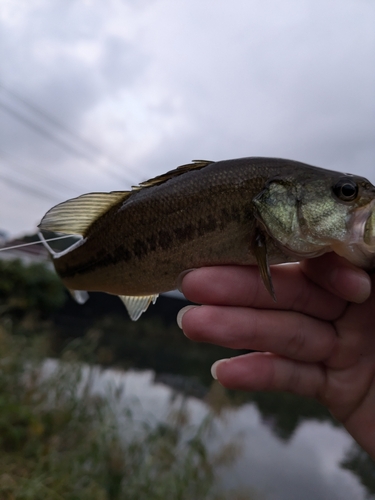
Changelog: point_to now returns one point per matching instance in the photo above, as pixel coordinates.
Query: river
(306, 466)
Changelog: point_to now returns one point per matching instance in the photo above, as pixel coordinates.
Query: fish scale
(244, 211)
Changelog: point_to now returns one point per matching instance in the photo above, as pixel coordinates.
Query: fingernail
(364, 288)
(181, 277)
(215, 365)
(181, 313)
(360, 279)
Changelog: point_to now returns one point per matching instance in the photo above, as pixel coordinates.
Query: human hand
(317, 340)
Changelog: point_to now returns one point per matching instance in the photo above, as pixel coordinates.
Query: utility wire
(52, 120)
(53, 182)
(50, 136)
(39, 193)
(42, 131)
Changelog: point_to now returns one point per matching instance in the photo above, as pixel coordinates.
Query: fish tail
(46, 245)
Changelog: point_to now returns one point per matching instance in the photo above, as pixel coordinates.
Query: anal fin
(136, 306)
(80, 296)
(260, 251)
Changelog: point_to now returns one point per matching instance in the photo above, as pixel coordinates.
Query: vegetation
(57, 442)
(28, 294)
(150, 343)
(362, 465)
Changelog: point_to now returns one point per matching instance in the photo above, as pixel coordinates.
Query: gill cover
(280, 209)
(276, 208)
(303, 219)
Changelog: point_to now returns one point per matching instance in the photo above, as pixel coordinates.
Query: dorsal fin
(160, 179)
(75, 216)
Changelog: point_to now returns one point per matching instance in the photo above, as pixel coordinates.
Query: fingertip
(181, 278)
(352, 284)
(338, 276)
(181, 314)
(215, 366)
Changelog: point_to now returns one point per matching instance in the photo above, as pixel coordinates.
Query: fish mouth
(362, 227)
(359, 245)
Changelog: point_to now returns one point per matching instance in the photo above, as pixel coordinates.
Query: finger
(289, 334)
(242, 286)
(268, 372)
(338, 276)
(355, 334)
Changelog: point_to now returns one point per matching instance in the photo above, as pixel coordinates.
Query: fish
(246, 211)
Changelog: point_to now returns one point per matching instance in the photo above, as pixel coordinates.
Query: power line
(42, 131)
(52, 181)
(50, 119)
(94, 150)
(39, 193)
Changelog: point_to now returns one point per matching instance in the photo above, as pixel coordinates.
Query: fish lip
(357, 224)
(354, 248)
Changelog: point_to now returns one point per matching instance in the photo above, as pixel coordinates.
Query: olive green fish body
(243, 211)
(143, 244)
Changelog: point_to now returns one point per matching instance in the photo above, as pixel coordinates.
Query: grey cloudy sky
(151, 84)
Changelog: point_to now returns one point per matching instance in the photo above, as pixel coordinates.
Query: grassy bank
(56, 444)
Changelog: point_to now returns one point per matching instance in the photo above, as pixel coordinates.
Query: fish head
(317, 211)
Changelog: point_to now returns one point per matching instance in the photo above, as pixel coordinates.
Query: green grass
(58, 442)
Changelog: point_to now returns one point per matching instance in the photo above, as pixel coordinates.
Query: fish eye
(346, 189)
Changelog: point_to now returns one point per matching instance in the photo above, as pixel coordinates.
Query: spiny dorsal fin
(136, 306)
(160, 179)
(75, 216)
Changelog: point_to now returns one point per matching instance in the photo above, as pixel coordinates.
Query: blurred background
(99, 96)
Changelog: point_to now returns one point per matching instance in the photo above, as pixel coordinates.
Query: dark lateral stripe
(164, 240)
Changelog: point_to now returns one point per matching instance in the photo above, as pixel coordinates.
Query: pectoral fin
(260, 251)
(137, 305)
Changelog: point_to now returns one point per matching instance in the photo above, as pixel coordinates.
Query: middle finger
(242, 286)
(285, 333)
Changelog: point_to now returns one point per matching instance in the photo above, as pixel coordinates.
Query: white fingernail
(181, 277)
(181, 313)
(215, 365)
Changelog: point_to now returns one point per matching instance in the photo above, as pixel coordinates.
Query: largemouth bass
(245, 211)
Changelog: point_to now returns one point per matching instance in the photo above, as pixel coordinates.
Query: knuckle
(297, 342)
(302, 299)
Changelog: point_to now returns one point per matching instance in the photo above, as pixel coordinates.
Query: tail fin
(46, 245)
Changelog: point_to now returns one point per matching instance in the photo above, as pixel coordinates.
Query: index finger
(337, 275)
(243, 286)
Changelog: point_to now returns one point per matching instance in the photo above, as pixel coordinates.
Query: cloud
(153, 84)
(308, 463)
